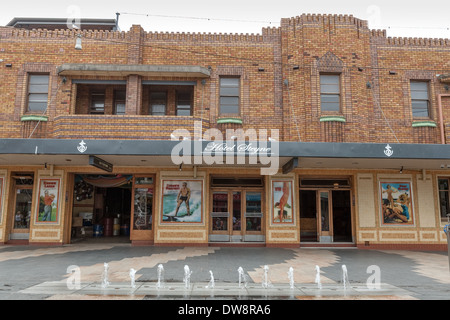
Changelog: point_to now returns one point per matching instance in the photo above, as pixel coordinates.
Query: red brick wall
(285, 96)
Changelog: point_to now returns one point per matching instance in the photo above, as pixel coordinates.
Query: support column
(134, 95)
(134, 85)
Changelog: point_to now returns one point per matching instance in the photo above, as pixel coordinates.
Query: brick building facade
(360, 120)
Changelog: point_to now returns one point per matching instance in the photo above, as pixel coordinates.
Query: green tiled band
(34, 118)
(417, 124)
(332, 119)
(229, 120)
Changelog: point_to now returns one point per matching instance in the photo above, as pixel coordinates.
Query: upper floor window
(330, 92)
(119, 102)
(420, 100)
(229, 95)
(183, 103)
(38, 92)
(97, 102)
(158, 103)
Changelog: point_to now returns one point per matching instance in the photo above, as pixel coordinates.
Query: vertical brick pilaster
(134, 83)
(135, 49)
(287, 103)
(109, 100)
(134, 95)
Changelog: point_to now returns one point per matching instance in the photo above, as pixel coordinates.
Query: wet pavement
(77, 272)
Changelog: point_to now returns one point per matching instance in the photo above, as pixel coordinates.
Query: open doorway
(101, 209)
(342, 218)
(325, 211)
(308, 216)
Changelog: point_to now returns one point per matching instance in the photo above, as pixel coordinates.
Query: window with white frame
(420, 99)
(230, 95)
(330, 93)
(37, 92)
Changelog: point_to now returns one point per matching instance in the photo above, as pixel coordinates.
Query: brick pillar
(134, 95)
(135, 49)
(109, 100)
(290, 116)
(134, 83)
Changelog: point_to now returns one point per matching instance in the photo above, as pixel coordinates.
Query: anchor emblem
(388, 151)
(82, 147)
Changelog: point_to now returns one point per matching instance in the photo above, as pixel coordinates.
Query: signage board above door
(100, 163)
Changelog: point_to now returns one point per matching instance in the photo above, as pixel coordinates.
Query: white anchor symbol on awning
(388, 151)
(82, 146)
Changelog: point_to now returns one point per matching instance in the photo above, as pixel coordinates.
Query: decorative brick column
(134, 95)
(134, 83)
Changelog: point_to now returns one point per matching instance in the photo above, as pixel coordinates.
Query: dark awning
(158, 152)
(164, 147)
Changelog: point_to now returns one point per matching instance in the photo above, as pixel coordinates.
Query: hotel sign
(239, 148)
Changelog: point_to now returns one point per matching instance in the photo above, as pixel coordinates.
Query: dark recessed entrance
(325, 211)
(101, 208)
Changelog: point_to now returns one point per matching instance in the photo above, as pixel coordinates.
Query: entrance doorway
(237, 216)
(101, 208)
(237, 213)
(142, 206)
(23, 197)
(326, 215)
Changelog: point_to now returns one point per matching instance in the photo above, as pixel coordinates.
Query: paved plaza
(77, 272)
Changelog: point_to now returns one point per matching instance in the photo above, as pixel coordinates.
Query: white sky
(400, 18)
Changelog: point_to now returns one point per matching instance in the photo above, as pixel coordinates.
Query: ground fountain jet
(317, 281)
(187, 277)
(160, 283)
(345, 281)
(133, 277)
(211, 283)
(242, 278)
(291, 277)
(266, 281)
(105, 282)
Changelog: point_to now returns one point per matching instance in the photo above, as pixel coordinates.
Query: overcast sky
(400, 18)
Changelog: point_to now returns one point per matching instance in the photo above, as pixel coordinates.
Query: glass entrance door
(325, 228)
(236, 232)
(142, 207)
(220, 217)
(23, 197)
(236, 216)
(253, 217)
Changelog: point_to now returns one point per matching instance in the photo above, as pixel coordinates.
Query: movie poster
(182, 201)
(48, 201)
(282, 208)
(396, 203)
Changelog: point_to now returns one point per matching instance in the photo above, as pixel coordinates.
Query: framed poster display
(396, 203)
(49, 200)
